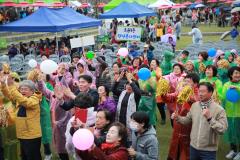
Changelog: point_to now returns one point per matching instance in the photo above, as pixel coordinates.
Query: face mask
(133, 126)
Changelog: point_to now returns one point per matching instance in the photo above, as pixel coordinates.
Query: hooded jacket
(146, 145)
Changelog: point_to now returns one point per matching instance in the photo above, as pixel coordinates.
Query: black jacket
(70, 104)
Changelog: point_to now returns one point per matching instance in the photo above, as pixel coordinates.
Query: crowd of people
(122, 107)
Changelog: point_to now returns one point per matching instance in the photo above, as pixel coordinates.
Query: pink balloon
(83, 139)
(123, 52)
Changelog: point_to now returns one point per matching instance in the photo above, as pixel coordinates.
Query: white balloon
(48, 66)
(32, 63)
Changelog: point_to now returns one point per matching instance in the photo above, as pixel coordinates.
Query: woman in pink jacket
(174, 78)
(59, 117)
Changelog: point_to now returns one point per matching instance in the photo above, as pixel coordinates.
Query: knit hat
(28, 83)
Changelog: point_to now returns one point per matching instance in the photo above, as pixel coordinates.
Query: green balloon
(90, 55)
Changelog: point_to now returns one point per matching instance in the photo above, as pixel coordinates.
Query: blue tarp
(192, 6)
(51, 20)
(128, 10)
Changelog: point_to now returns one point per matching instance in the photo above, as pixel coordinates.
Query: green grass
(186, 40)
(207, 28)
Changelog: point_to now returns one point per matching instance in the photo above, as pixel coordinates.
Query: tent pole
(57, 43)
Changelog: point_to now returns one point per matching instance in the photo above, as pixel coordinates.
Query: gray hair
(29, 84)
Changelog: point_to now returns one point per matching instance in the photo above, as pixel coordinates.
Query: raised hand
(67, 92)
(58, 91)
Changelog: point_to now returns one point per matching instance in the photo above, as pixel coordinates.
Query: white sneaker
(231, 154)
(237, 157)
(48, 157)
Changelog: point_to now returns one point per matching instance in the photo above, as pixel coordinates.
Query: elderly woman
(189, 67)
(28, 127)
(113, 148)
(100, 129)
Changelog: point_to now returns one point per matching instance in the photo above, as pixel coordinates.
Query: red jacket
(180, 141)
(117, 153)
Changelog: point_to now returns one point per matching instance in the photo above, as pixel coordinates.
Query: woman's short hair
(180, 66)
(141, 117)
(107, 113)
(157, 61)
(231, 70)
(140, 61)
(214, 69)
(204, 55)
(107, 90)
(122, 132)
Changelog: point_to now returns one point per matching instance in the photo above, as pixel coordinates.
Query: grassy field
(185, 40)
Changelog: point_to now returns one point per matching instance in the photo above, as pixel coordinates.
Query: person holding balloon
(157, 72)
(231, 103)
(147, 85)
(103, 122)
(113, 148)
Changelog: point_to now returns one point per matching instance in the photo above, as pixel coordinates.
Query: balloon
(48, 66)
(232, 95)
(212, 52)
(32, 63)
(83, 139)
(90, 55)
(144, 74)
(123, 52)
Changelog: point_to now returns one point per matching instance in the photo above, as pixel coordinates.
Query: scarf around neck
(206, 104)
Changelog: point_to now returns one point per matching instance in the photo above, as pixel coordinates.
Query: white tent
(161, 3)
(74, 3)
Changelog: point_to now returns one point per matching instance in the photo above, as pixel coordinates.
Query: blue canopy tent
(192, 6)
(51, 20)
(128, 10)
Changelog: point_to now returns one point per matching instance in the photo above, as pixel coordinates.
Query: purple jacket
(109, 105)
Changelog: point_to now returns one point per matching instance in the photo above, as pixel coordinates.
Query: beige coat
(204, 134)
